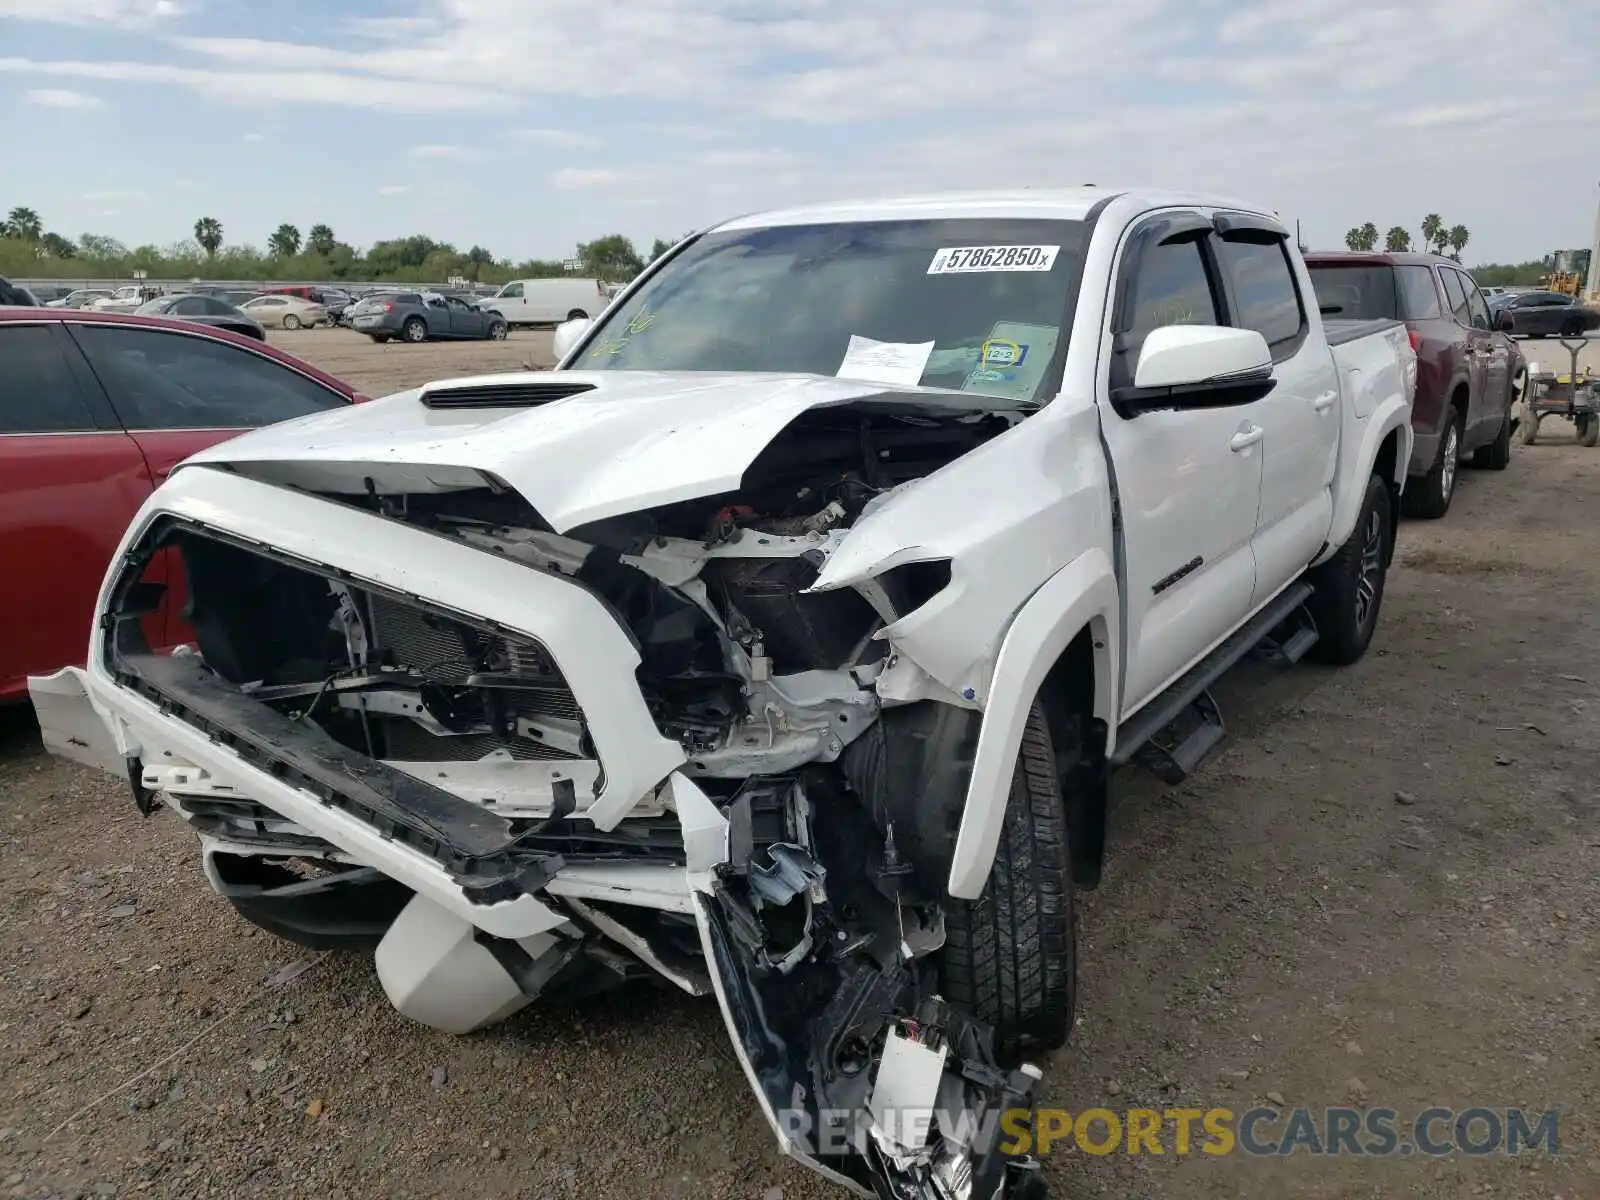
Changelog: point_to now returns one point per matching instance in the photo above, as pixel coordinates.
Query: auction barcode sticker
(955, 260)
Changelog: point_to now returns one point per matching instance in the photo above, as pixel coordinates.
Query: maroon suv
(1467, 372)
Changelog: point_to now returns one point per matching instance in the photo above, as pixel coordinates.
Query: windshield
(980, 305)
(154, 308)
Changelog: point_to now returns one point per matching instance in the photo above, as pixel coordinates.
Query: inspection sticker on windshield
(957, 260)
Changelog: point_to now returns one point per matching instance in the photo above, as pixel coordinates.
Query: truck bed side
(1377, 371)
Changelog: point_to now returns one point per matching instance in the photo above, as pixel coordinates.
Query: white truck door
(1266, 290)
(1188, 481)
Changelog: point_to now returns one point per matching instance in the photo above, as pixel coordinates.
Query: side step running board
(1186, 711)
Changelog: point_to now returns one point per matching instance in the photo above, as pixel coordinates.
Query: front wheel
(1573, 328)
(1010, 957)
(577, 314)
(1429, 497)
(497, 331)
(1349, 586)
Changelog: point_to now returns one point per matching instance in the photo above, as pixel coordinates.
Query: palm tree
(320, 240)
(1432, 231)
(25, 224)
(208, 232)
(1458, 237)
(285, 241)
(1369, 236)
(1397, 239)
(1352, 237)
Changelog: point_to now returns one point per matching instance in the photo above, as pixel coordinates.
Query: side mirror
(569, 334)
(1197, 366)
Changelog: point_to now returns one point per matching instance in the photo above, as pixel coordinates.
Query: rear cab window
(1265, 297)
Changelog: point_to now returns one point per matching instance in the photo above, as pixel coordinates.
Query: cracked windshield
(971, 305)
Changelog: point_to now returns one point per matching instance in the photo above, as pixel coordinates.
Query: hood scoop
(502, 395)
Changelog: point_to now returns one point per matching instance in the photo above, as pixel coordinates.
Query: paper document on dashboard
(885, 362)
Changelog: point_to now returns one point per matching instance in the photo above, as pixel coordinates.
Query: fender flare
(1083, 594)
(1392, 414)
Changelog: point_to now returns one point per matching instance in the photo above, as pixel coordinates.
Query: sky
(527, 126)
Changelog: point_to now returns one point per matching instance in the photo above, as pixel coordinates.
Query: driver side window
(1171, 282)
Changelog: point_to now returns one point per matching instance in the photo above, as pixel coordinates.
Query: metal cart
(1574, 396)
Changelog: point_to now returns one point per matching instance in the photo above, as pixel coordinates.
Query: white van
(547, 301)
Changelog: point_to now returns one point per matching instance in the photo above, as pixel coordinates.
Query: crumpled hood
(637, 440)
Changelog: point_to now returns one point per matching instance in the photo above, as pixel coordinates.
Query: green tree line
(28, 249)
(1437, 237)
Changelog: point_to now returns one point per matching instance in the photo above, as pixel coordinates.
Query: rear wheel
(380, 338)
(1349, 586)
(1589, 429)
(577, 314)
(290, 321)
(1010, 957)
(414, 330)
(1429, 497)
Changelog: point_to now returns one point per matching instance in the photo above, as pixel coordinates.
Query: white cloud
(394, 189)
(124, 13)
(62, 98)
(566, 139)
(252, 137)
(571, 179)
(253, 87)
(451, 153)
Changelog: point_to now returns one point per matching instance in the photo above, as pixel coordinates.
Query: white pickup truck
(777, 647)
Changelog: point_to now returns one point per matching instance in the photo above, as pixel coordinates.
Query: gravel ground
(1383, 889)
(393, 366)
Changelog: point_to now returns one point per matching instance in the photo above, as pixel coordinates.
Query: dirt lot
(394, 366)
(1385, 889)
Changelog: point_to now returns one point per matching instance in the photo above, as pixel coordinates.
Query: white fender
(1393, 413)
(1083, 594)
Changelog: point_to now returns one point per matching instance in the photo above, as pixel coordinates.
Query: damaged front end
(529, 763)
(829, 989)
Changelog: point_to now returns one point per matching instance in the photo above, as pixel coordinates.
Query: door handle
(1246, 438)
(1325, 401)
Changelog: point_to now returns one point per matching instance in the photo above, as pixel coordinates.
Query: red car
(95, 409)
(1468, 372)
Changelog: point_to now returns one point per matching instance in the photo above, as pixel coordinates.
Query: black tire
(380, 338)
(1010, 957)
(415, 330)
(1349, 586)
(1430, 496)
(1496, 456)
(1573, 328)
(577, 314)
(1589, 430)
(498, 331)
